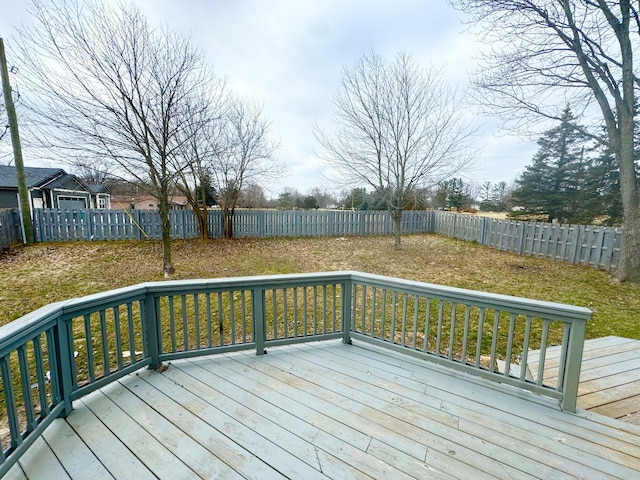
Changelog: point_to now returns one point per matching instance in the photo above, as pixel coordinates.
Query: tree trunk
(203, 222)
(167, 267)
(396, 216)
(228, 223)
(629, 264)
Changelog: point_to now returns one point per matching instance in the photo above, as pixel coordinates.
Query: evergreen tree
(556, 184)
(486, 204)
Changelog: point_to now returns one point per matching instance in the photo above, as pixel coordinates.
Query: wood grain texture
(609, 377)
(325, 410)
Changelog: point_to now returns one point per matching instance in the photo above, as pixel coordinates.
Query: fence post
(152, 330)
(259, 328)
(347, 293)
(572, 366)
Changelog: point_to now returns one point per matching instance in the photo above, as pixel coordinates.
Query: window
(101, 202)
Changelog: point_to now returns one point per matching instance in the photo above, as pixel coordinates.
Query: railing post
(257, 306)
(572, 366)
(347, 293)
(64, 358)
(152, 330)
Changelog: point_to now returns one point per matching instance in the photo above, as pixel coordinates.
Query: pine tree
(556, 184)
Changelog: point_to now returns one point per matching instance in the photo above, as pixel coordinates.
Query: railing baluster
(452, 331)
(394, 299)
(25, 382)
(415, 321)
(41, 376)
(427, 320)
(118, 335)
(305, 309)
(315, 310)
(54, 371)
(275, 314)
(172, 324)
(132, 343)
(334, 308)
(10, 401)
(494, 340)
(285, 314)
(563, 357)
(543, 351)
(507, 360)
(89, 344)
(383, 314)
(196, 317)
(364, 307)
(232, 316)
(525, 349)
(185, 323)
(105, 345)
(295, 312)
(244, 315)
(404, 319)
(209, 321)
(374, 293)
(465, 334)
(440, 321)
(220, 319)
(480, 334)
(324, 309)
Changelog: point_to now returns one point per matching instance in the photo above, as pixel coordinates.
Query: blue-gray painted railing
(57, 354)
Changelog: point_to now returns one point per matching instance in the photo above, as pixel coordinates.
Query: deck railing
(65, 350)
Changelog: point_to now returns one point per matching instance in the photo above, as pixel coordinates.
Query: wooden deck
(325, 410)
(609, 377)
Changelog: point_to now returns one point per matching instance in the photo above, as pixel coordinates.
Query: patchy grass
(36, 275)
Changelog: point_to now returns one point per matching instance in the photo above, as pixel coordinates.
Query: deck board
(609, 376)
(325, 410)
(472, 409)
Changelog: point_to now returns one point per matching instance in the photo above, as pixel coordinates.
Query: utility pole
(23, 194)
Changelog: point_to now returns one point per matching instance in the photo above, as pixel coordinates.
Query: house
(51, 188)
(148, 202)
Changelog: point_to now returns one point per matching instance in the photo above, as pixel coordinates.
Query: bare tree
(246, 157)
(203, 139)
(397, 126)
(550, 53)
(106, 85)
(252, 196)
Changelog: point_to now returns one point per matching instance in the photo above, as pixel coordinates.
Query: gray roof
(35, 176)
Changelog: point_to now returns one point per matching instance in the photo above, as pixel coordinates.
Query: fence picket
(579, 244)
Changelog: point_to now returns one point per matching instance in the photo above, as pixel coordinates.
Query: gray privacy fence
(592, 245)
(10, 229)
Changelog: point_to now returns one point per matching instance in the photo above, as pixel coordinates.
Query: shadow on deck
(324, 410)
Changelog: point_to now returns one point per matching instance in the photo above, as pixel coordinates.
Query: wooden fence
(10, 229)
(593, 245)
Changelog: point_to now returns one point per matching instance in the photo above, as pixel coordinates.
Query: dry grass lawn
(36, 275)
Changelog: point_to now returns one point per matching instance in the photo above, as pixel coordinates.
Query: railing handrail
(523, 305)
(54, 322)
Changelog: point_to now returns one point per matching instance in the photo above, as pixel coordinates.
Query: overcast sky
(288, 55)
